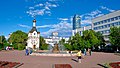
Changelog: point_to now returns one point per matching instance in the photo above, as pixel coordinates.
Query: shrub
(21, 46)
(68, 46)
(44, 47)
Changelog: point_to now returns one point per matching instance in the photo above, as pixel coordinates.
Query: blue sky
(51, 15)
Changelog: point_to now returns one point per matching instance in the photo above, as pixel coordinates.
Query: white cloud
(39, 5)
(93, 13)
(47, 8)
(44, 26)
(63, 28)
(63, 19)
(54, 5)
(42, 8)
(86, 21)
(31, 7)
(86, 18)
(52, 0)
(110, 10)
(36, 12)
(25, 26)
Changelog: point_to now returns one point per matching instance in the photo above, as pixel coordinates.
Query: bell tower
(34, 23)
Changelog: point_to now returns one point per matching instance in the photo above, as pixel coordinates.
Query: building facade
(33, 37)
(103, 23)
(76, 22)
(80, 30)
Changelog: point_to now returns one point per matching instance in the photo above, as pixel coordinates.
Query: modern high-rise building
(76, 22)
(103, 23)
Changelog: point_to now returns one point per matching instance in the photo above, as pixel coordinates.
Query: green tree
(68, 46)
(101, 41)
(115, 37)
(100, 38)
(62, 41)
(43, 45)
(76, 42)
(18, 39)
(2, 42)
(90, 39)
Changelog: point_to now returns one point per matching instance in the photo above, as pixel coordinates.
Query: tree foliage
(43, 45)
(62, 41)
(115, 36)
(3, 42)
(75, 42)
(18, 39)
(90, 39)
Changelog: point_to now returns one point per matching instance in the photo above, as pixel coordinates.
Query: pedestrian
(26, 52)
(30, 51)
(85, 52)
(79, 55)
(90, 52)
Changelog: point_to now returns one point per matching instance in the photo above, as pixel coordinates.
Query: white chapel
(33, 37)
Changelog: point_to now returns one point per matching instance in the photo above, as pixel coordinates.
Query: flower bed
(115, 65)
(63, 66)
(6, 64)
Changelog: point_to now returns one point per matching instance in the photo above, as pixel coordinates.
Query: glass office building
(76, 22)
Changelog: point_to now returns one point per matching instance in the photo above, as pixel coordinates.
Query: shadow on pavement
(102, 65)
(74, 60)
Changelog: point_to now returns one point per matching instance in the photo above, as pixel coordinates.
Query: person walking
(26, 52)
(85, 52)
(79, 55)
(90, 52)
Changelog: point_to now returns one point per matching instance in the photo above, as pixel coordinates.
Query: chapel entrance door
(34, 46)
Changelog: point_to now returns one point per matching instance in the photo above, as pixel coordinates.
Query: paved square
(48, 62)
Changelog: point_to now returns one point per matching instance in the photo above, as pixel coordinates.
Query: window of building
(105, 21)
(117, 23)
(101, 22)
(112, 19)
(108, 20)
(95, 23)
(108, 25)
(98, 23)
(108, 31)
(112, 24)
(119, 17)
(98, 27)
(102, 27)
(34, 33)
(101, 32)
(116, 18)
(94, 28)
(105, 26)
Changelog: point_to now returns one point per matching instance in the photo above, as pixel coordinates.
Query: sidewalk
(48, 62)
